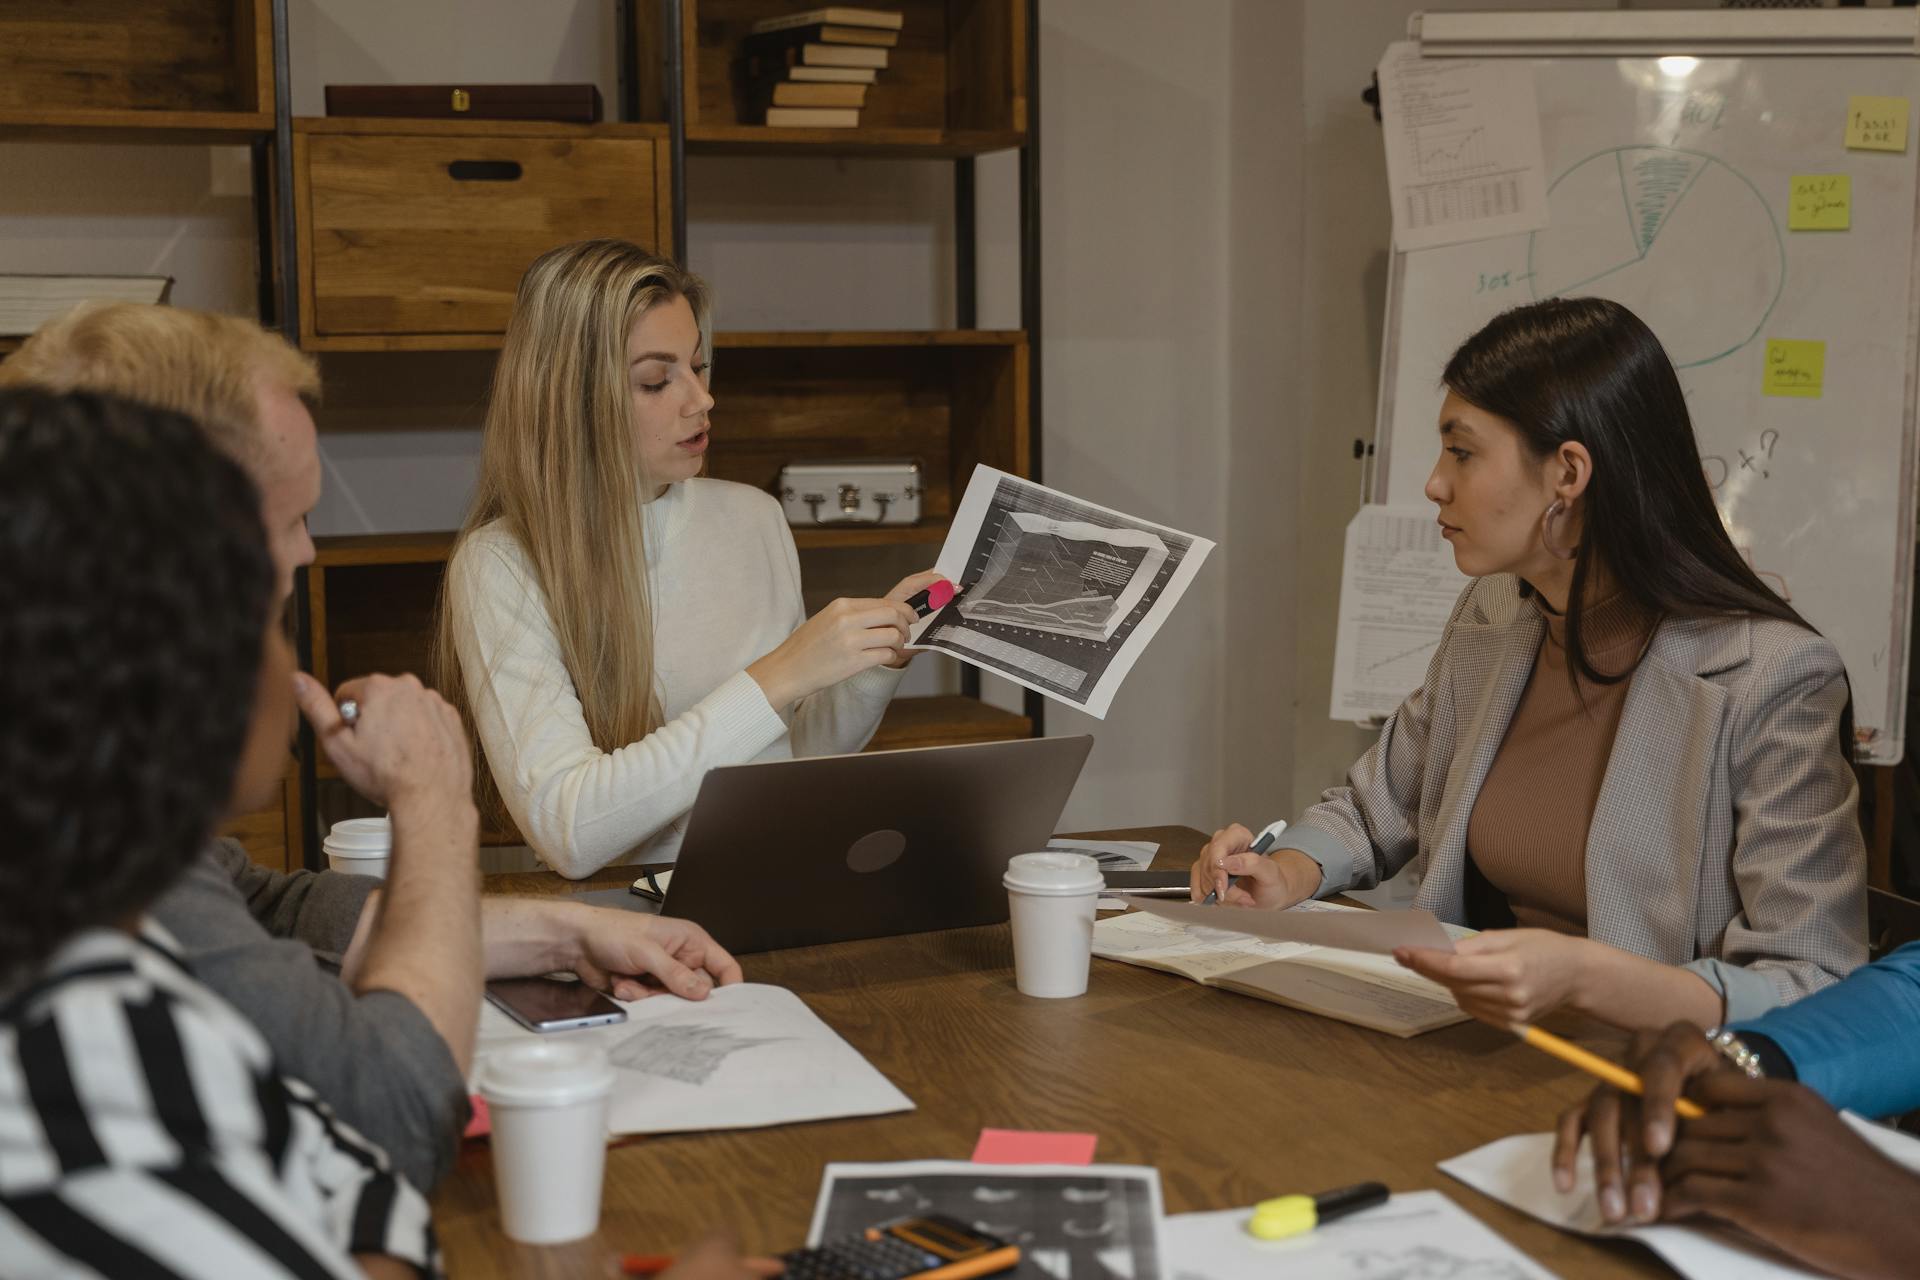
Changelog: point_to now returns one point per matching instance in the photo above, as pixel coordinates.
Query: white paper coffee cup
(363, 846)
(548, 1104)
(1051, 898)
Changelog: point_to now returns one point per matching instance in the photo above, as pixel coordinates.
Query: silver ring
(349, 712)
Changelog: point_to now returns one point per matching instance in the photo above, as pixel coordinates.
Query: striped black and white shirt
(145, 1131)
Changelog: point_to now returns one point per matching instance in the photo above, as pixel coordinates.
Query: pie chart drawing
(1684, 240)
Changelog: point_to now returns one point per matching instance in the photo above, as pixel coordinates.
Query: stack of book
(812, 69)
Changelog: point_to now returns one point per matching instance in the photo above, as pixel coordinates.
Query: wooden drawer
(423, 231)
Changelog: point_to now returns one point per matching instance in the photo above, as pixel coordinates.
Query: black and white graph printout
(1056, 594)
(1398, 586)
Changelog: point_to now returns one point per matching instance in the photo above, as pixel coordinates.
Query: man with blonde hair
(288, 949)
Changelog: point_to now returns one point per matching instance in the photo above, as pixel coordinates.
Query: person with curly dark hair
(145, 1127)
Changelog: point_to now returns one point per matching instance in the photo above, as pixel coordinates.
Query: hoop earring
(1547, 531)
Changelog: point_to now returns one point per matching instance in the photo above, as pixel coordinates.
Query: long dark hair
(1589, 370)
(136, 584)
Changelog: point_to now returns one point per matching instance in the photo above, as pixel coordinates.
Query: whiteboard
(1668, 192)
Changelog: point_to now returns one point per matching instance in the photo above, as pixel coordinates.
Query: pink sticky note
(1026, 1146)
(482, 1123)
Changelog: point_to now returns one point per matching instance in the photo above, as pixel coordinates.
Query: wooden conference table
(1232, 1099)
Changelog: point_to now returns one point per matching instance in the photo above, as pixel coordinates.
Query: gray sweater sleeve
(319, 908)
(374, 1058)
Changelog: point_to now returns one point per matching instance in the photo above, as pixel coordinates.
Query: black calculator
(928, 1248)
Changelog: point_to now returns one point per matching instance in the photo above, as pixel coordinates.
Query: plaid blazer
(1725, 837)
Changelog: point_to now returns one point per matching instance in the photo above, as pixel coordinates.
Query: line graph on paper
(1440, 154)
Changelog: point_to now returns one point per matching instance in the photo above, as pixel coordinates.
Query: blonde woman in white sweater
(613, 624)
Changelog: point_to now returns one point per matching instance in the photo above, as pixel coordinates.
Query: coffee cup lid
(545, 1074)
(1053, 872)
(366, 837)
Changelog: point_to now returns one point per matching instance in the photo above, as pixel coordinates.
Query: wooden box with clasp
(413, 234)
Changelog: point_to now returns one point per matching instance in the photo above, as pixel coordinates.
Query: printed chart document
(1072, 1222)
(1112, 855)
(747, 1056)
(1463, 147)
(1353, 986)
(1059, 595)
(1519, 1171)
(1414, 1236)
(1398, 586)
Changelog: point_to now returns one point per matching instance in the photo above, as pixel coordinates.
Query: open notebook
(1353, 986)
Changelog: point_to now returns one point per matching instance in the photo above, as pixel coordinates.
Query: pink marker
(933, 599)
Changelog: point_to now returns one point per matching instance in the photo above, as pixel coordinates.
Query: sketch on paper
(1428, 1262)
(689, 1052)
(1055, 593)
(748, 1055)
(1091, 1223)
(1417, 1235)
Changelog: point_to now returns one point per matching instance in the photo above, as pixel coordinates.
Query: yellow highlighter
(1285, 1216)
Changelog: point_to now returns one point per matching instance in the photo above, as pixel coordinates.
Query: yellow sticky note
(1820, 202)
(1876, 124)
(1794, 368)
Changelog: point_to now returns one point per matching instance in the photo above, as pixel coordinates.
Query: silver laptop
(788, 853)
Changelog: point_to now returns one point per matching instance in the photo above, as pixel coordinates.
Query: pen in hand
(1264, 843)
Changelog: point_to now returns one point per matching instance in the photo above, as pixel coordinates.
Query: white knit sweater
(725, 582)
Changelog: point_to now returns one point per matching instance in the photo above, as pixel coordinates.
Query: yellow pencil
(1593, 1064)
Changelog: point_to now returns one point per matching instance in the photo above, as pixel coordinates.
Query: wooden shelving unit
(413, 234)
(387, 236)
(189, 71)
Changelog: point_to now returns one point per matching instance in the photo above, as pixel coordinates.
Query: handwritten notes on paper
(1820, 202)
(1398, 586)
(1876, 124)
(1794, 368)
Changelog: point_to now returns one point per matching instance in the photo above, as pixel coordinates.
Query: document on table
(1519, 1171)
(1398, 586)
(747, 1056)
(1367, 990)
(1318, 924)
(1112, 855)
(1463, 147)
(1055, 593)
(1415, 1234)
(1072, 1222)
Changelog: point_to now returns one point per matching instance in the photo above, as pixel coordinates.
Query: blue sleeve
(1857, 1043)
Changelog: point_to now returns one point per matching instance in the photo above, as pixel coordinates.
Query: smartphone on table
(932, 1247)
(550, 1004)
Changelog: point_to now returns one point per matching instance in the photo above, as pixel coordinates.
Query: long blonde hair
(561, 470)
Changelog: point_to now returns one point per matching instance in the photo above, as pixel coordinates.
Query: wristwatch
(1735, 1050)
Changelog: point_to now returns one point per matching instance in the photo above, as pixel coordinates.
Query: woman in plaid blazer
(1724, 869)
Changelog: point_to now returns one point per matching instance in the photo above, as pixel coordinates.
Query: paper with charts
(1518, 1171)
(1072, 1222)
(1059, 595)
(1366, 990)
(1419, 1235)
(1463, 147)
(747, 1056)
(1398, 586)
